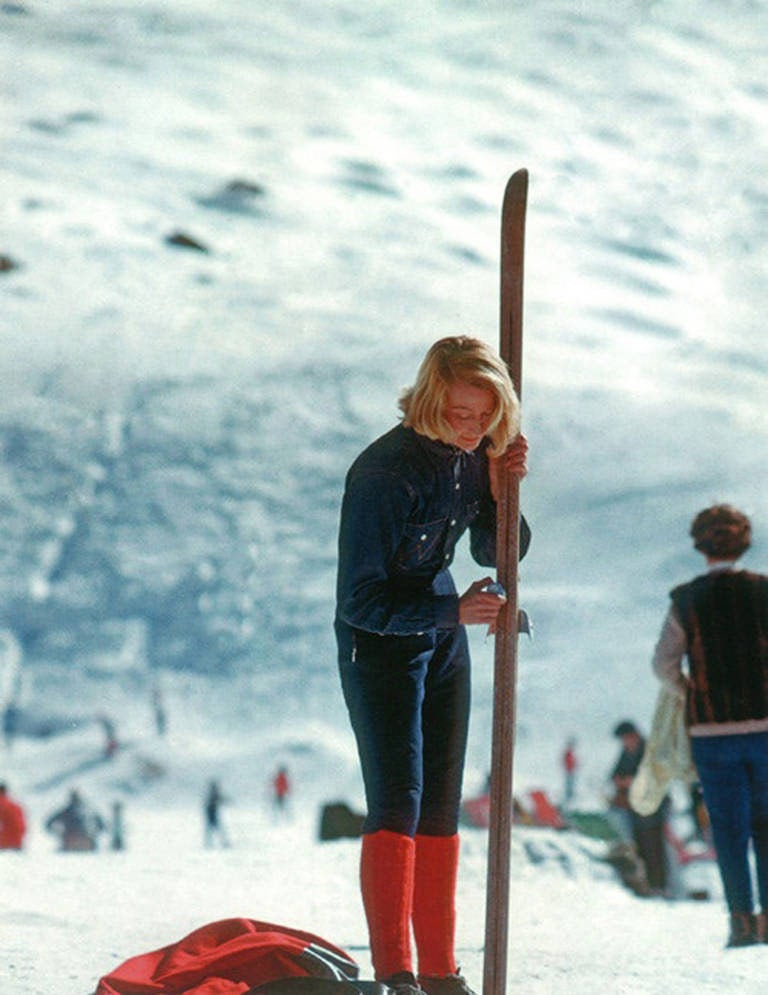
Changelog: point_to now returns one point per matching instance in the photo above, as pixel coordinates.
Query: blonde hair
(461, 359)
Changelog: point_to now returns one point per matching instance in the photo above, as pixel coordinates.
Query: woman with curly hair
(718, 623)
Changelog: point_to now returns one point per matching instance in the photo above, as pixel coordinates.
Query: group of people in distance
(214, 831)
(78, 826)
(404, 662)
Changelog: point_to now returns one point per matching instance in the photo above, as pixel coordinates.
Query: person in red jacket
(570, 766)
(281, 787)
(13, 825)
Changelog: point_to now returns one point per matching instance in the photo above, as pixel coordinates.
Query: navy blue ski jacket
(407, 502)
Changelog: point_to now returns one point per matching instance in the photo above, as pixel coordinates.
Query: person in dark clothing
(718, 624)
(11, 716)
(214, 828)
(117, 827)
(158, 709)
(646, 832)
(77, 825)
(403, 653)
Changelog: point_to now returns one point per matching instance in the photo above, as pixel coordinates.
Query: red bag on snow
(229, 957)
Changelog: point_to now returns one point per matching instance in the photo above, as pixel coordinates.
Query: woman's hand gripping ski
(479, 605)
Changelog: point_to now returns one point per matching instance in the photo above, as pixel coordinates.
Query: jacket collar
(445, 450)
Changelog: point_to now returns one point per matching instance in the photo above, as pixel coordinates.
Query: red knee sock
(434, 903)
(386, 880)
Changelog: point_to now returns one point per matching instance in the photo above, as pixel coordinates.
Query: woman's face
(468, 412)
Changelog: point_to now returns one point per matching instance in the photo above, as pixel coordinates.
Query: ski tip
(517, 184)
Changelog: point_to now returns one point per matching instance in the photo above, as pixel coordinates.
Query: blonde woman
(403, 652)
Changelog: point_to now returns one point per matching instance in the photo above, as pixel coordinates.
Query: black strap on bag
(318, 986)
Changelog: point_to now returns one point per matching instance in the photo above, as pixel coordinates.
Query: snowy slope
(66, 919)
(175, 424)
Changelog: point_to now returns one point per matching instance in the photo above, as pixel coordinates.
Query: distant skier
(111, 744)
(13, 824)
(117, 827)
(77, 825)
(214, 828)
(158, 708)
(570, 766)
(11, 715)
(281, 787)
(403, 652)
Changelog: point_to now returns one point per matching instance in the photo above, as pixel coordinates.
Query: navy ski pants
(408, 699)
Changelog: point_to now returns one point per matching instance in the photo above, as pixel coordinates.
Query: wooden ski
(505, 656)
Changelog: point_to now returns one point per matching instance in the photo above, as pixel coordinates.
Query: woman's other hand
(478, 606)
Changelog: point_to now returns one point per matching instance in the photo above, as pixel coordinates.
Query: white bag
(667, 755)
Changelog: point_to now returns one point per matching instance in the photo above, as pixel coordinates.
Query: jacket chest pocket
(420, 543)
(471, 511)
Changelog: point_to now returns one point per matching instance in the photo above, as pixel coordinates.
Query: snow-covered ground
(344, 165)
(67, 919)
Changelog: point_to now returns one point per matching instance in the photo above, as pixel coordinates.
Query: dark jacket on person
(626, 765)
(407, 502)
(725, 618)
(77, 825)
